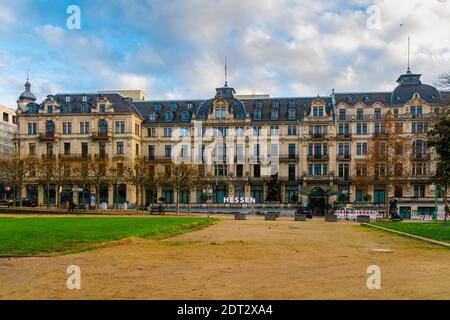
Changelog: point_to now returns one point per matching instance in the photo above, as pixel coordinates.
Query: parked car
(304, 210)
(6, 202)
(27, 202)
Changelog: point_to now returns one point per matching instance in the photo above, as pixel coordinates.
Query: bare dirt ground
(253, 259)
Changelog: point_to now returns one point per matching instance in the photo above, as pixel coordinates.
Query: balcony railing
(101, 156)
(153, 158)
(318, 157)
(343, 157)
(47, 136)
(288, 157)
(318, 135)
(345, 135)
(421, 156)
(100, 135)
(74, 156)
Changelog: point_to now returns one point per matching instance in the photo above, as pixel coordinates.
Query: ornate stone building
(312, 143)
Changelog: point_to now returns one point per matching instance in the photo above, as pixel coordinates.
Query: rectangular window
(167, 132)
(416, 111)
(361, 148)
(342, 114)
(317, 111)
(67, 127)
(50, 109)
(120, 147)
(239, 170)
(292, 130)
(168, 151)
(66, 148)
(85, 127)
(360, 114)
(151, 132)
(120, 126)
(361, 128)
(419, 191)
(32, 149)
(274, 131)
(377, 113)
(32, 128)
(291, 172)
(84, 149)
(256, 171)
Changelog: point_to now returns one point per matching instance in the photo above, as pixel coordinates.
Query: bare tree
(97, 173)
(82, 175)
(13, 172)
(116, 176)
(61, 176)
(191, 180)
(443, 81)
(46, 175)
(136, 176)
(150, 181)
(388, 158)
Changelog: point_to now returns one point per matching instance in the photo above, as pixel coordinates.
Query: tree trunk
(446, 208)
(48, 195)
(137, 199)
(116, 200)
(14, 196)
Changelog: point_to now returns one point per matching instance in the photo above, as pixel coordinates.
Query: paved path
(251, 259)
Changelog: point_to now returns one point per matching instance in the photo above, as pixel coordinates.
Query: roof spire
(226, 74)
(409, 70)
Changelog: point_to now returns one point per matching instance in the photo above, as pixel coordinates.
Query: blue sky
(176, 48)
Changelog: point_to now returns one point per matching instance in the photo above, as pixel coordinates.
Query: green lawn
(32, 236)
(435, 231)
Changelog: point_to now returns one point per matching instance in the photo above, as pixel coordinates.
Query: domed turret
(410, 84)
(26, 97)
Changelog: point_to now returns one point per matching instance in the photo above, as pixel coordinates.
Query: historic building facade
(8, 130)
(312, 143)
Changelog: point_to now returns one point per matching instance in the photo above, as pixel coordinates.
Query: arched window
(50, 128)
(103, 127)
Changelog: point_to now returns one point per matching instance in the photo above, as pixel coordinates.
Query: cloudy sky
(177, 48)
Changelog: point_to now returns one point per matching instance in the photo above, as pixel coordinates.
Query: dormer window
(275, 104)
(221, 112)
(49, 109)
(152, 116)
(292, 114)
(102, 108)
(416, 111)
(66, 108)
(173, 107)
(67, 99)
(84, 99)
(275, 113)
(85, 108)
(186, 116)
(190, 106)
(318, 111)
(257, 114)
(158, 107)
(258, 105)
(168, 116)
